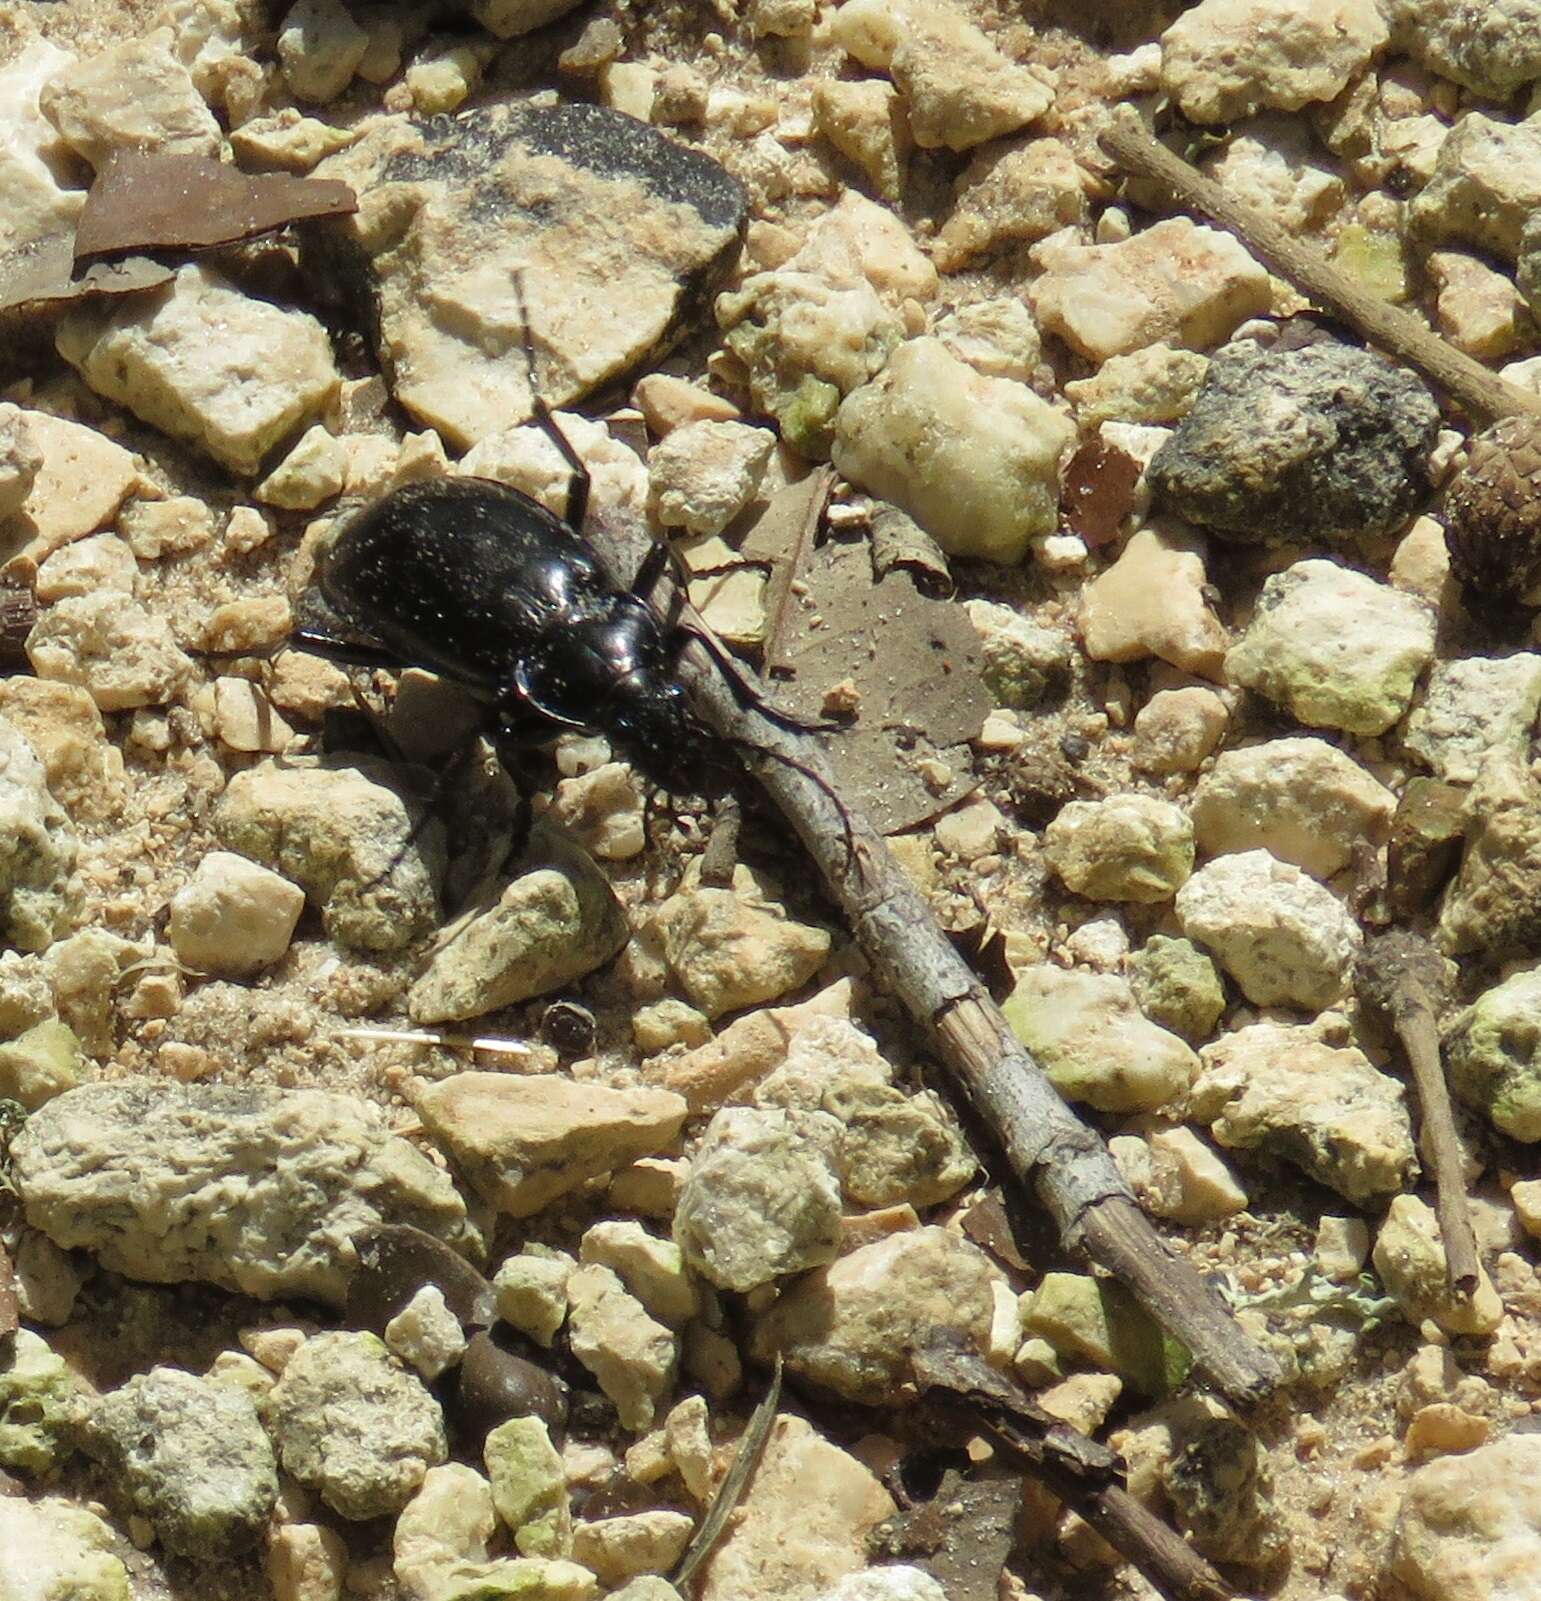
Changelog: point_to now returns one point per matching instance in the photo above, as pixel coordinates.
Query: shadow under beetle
(476, 581)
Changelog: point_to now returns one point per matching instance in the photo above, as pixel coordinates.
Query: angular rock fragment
(40, 1407)
(1487, 183)
(1472, 707)
(1326, 442)
(107, 643)
(254, 1189)
(37, 851)
(451, 208)
(1494, 904)
(631, 1354)
(523, 1141)
(1493, 1051)
(351, 1423)
(233, 917)
(76, 479)
(1409, 1258)
(50, 1547)
(1129, 847)
(1303, 1094)
(190, 1455)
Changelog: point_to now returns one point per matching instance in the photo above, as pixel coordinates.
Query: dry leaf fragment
(164, 201)
(1099, 490)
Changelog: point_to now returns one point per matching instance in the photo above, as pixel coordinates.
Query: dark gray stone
(620, 234)
(190, 1455)
(1327, 442)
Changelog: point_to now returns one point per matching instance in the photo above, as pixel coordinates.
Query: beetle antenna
(847, 822)
(578, 485)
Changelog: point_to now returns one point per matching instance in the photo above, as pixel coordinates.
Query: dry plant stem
(1419, 1035)
(1397, 332)
(778, 596)
(1050, 1150)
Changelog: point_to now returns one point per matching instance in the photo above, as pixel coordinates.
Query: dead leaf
(163, 201)
(43, 274)
(1099, 490)
(963, 1536)
(914, 663)
(899, 541)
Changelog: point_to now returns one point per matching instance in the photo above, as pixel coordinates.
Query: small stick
(1049, 1149)
(1399, 978)
(1399, 333)
(778, 592)
(1080, 1471)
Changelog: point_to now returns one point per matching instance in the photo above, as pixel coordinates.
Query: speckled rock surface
(353, 1424)
(1328, 442)
(1493, 1049)
(1472, 707)
(1126, 848)
(1494, 905)
(190, 1455)
(255, 1189)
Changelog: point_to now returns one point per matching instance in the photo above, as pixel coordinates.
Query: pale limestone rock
(762, 1198)
(731, 951)
(21, 457)
(508, 19)
(109, 645)
(1022, 660)
(1175, 1174)
(1156, 384)
(1129, 847)
(99, 561)
(239, 714)
(1421, 566)
(1491, 905)
(1150, 602)
(970, 831)
(1472, 708)
(891, 1582)
(603, 810)
(631, 1355)
(667, 403)
(531, 1291)
(1304, 1094)
(1469, 1527)
(1409, 1257)
(652, 1269)
(621, 1548)
(527, 458)
(1479, 310)
(233, 916)
(1175, 282)
(134, 95)
(523, 1141)
(961, 90)
(1225, 59)
(425, 1334)
(320, 47)
(1285, 939)
(49, 1547)
(1493, 48)
(804, 1521)
(1277, 164)
(973, 459)
(174, 527)
(1009, 195)
(1494, 1054)
(1334, 647)
(287, 141)
(37, 200)
(313, 472)
(40, 1064)
(995, 337)
(80, 480)
(1098, 1321)
(1177, 730)
(529, 1488)
(880, 243)
(1526, 1200)
(1176, 984)
(867, 122)
(850, 1327)
(1093, 1042)
(38, 902)
(1342, 1247)
(205, 363)
(306, 1562)
(703, 474)
(1486, 183)
(1302, 800)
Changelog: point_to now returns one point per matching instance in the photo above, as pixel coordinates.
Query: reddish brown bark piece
(148, 201)
(1099, 490)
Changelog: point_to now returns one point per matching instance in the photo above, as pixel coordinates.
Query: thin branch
(1049, 1149)
(1399, 333)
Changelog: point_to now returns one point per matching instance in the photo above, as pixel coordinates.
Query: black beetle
(474, 580)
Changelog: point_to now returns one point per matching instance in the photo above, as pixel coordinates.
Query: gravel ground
(1175, 703)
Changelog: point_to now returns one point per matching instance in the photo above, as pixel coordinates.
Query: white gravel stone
(233, 916)
(1486, 182)
(1155, 384)
(703, 474)
(134, 95)
(1175, 1174)
(651, 1268)
(1305, 1094)
(762, 1198)
(532, 1291)
(1094, 1042)
(1409, 1258)
(995, 337)
(50, 1547)
(313, 472)
(425, 1334)
(1225, 59)
(528, 459)
(508, 19)
(205, 363)
(1469, 1528)
(100, 561)
(1302, 800)
(867, 122)
(1335, 648)
(320, 47)
(1175, 282)
(973, 460)
(620, 1548)
(122, 654)
(78, 480)
(631, 1355)
(20, 455)
(1469, 708)
(1177, 729)
(1285, 939)
(1129, 847)
(1277, 163)
(1493, 48)
(1011, 194)
(33, 158)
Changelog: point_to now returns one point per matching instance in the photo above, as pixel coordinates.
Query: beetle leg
(744, 692)
(578, 485)
(345, 652)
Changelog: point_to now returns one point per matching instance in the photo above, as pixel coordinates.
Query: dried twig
(778, 593)
(1082, 1473)
(1401, 978)
(1047, 1146)
(1399, 333)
